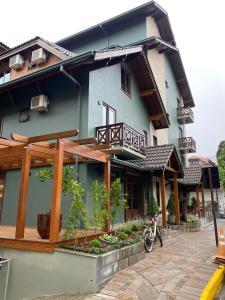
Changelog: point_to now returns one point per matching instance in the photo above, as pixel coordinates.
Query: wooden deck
(33, 242)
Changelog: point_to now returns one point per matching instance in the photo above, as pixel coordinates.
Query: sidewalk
(178, 271)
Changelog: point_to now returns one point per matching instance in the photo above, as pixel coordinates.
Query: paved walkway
(178, 271)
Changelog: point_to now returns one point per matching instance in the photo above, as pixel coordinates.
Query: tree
(221, 163)
(171, 205)
(153, 208)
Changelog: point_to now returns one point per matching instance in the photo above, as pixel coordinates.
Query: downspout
(106, 34)
(78, 87)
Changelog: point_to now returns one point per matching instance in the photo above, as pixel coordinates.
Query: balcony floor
(33, 242)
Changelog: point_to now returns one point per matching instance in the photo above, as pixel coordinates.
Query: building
(200, 161)
(121, 81)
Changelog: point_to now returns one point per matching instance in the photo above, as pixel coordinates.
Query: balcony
(187, 145)
(123, 140)
(185, 115)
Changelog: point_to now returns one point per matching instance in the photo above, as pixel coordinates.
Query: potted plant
(153, 208)
(171, 209)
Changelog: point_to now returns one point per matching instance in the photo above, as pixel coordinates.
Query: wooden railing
(187, 143)
(120, 134)
(185, 112)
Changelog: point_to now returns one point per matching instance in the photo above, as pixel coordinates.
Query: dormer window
(125, 81)
(5, 77)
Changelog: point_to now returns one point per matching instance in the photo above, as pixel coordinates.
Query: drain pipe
(78, 87)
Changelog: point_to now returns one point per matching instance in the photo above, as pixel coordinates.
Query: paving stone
(156, 279)
(145, 292)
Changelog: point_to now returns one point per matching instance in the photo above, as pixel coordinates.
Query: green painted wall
(127, 34)
(172, 92)
(105, 86)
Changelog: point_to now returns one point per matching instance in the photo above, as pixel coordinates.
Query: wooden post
(203, 200)
(163, 198)
(176, 197)
(107, 178)
(22, 203)
(198, 202)
(56, 194)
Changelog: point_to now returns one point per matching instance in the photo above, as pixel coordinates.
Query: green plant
(96, 243)
(127, 229)
(193, 202)
(171, 205)
(136, 227)
(117, 200)
(192, 219)
(99, 200)
(109, 238)
(153, 208)
(122, 236)
(77, 213)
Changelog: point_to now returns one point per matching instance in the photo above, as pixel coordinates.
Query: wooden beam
(45, 137)
(22, 203)
(144, 93)
(156, 117)
(56, 194)
(172, 170)
(5, 142)
(107, 179)
(198, 202)
(84, 151)
(176, 198)
(163, 198)
(203, 200)
(10, 152)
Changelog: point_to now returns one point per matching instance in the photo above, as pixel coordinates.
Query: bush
(153, 208)
(193, 202)
(171, 205)
(122, 236)
(192, 219)
(127, 229)
(136, 227)
(96, 243)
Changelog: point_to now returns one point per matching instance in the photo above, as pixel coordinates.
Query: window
(178, 102)
(1, 124)
(180, 132)
(109, 115)
(166, 84)
(125, 81)
(155, 140)
(146, 137)
(5, 77)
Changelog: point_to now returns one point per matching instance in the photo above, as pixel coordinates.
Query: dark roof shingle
(192, 175)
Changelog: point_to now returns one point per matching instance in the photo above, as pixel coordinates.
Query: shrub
(193, 202)
(153, 208)
(122, 236)
(116, 199)
(171, 205)
(96, 243)
(192, 219)
(136, 227)
(127, 229)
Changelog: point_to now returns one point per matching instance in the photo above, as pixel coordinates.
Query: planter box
(191, 227)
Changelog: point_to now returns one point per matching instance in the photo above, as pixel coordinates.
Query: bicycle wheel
(148, 240)
(158, 233)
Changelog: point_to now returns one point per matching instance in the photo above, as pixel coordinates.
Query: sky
(198, 26)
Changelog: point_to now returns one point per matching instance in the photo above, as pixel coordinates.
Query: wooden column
(107, 179)
(56, 193)
(163, 198)
(198, 202)
(176, 197)
(22, 202)
(203, 200)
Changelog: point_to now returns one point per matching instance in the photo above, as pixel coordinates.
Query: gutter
(77, 86)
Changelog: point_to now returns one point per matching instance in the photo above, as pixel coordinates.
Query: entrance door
(133, 198)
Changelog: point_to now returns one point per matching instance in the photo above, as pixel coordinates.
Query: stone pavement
(178, 271)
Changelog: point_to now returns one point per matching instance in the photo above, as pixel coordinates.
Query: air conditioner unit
(16, 62)
(39, 103)
(38, 56)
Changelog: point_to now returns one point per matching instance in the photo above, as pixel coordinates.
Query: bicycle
(151, 233)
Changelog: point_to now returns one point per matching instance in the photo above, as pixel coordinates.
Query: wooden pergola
(55, 149)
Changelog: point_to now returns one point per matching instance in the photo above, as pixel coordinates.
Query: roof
(158, 157)
(3, 47)
(175, 60)
(151, 8)
(192, 175)
(205, 160)
(32, 42)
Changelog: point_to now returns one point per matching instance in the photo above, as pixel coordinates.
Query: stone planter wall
(191, 227)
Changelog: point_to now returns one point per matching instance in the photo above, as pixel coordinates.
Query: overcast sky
(198, 26)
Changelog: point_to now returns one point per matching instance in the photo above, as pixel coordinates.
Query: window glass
(104, 119)
(7, 76)
(125, 81)
(155, 140)
(112, 116)
(180, 132)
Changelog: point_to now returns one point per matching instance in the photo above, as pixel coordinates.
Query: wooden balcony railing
(122, 135)
(185, 115)
(187, 144)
